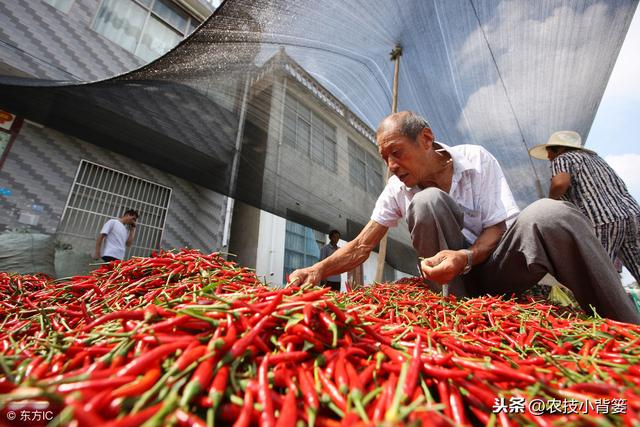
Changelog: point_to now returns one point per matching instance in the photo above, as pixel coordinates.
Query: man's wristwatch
(467, 268)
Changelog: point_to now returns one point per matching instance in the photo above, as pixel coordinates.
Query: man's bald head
(405, 123)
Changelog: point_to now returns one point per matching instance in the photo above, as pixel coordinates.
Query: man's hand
(444, 266)
(305, 275)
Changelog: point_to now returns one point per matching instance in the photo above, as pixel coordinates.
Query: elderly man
(457, 204)
(581, 177)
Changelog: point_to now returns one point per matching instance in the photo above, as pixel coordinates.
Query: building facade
(322, 145)
(55, 183)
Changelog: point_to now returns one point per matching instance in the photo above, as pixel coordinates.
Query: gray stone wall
(40, 170)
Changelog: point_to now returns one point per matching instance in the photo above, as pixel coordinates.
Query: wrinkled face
(409, 160)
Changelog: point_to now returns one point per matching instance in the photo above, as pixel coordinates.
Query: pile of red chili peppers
(188, 339)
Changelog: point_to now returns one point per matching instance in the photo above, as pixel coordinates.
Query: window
(301, 247)
(148, 28)
(365, 169)
(63, 5)
(99, 193)
(309, 133)
(214, 3)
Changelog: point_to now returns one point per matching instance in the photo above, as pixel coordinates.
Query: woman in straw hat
(583, 178)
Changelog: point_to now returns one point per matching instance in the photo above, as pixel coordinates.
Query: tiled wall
(39, 40)
(40, 169)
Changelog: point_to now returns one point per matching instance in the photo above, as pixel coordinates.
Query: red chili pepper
(443, 373)
(267, 417)
(95, 385)
(201, 380)
(32, 365)
(219, 386)
(307, 312)
(482, 416)
(486, 396)
(457, 407)
(137, 387)
(502, 371)
(340, 374)
(241, 345)
(289, 411)
(331, 389)
(188, 420)
(137, 419)
(309, 393)
(269, 309)
(443, 391)
(384, 401)
(288, 357)
(244, 419)
(84, 418)
(190, 355)
(122, 314)
(393, 354)
(413, 374)
(142, 363)
(331, 325)
(598, 388)
(40, 370)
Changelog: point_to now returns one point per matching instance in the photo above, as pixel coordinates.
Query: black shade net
(261, 102)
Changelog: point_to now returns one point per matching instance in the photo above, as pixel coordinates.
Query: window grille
(309, 133)
(100, 193)
(301, 247)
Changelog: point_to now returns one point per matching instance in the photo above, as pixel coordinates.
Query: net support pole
(226, 233)
(396, 53)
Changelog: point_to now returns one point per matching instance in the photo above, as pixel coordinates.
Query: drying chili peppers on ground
(188, 339)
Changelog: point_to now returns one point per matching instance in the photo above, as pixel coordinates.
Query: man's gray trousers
(548, 236)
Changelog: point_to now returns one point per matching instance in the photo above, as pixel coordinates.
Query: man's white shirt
(115, 241)
(478, 187)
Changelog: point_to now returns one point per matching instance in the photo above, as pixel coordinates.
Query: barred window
(309, 133)
(365, 169)
(100, 193)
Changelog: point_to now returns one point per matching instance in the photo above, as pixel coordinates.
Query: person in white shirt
(466, 225)
(116, 234)
(327, 250)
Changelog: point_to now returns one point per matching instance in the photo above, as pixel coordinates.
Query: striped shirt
(595, 188)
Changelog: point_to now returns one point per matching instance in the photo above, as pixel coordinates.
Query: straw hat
(564, 138)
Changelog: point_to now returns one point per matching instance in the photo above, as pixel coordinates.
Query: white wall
(270, 252)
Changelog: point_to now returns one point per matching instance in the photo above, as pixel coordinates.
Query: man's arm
(448, 264)
(132, 232)
(99, 240)
(345, 258)
(560, 183)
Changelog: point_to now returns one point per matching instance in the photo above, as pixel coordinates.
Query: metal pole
(226, 233)
(396, 53)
